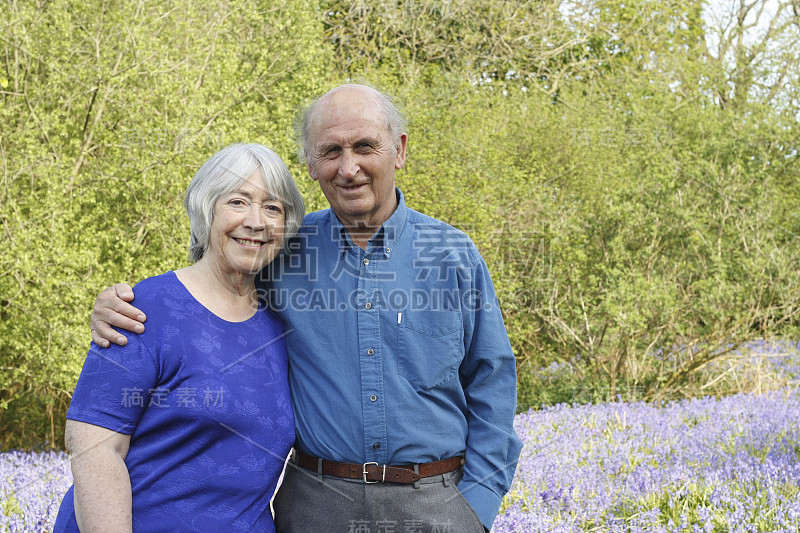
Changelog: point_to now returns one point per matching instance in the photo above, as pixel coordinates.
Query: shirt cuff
(483, 501)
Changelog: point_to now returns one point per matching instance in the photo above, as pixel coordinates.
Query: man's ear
(400, 157)
(312, 173)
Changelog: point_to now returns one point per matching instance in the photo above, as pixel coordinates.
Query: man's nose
(348, 165)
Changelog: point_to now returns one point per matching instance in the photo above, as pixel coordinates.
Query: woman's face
(248, 228)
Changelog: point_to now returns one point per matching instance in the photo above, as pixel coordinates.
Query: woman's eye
(238, 203)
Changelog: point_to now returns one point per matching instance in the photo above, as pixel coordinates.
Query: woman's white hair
(224, 172)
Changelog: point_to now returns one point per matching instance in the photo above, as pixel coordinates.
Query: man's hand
(111, 309)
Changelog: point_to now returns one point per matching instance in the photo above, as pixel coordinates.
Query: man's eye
(364, 147)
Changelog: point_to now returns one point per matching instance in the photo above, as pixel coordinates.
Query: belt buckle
(364, 473)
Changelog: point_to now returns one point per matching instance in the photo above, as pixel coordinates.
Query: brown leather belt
(375, 473)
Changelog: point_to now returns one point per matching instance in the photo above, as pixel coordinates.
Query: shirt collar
(387, 235)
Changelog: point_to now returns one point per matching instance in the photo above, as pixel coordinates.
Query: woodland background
(628, 169)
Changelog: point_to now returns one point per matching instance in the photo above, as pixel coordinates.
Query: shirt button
(368, 305)
(376, 446)
(370, 352)
(366, 261)
(373, 398)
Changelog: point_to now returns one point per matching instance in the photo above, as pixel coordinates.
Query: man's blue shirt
(399, 354)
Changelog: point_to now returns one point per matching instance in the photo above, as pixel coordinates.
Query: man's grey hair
(225, 172)
(396, 122)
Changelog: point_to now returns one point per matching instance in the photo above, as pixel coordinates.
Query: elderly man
(402, 375)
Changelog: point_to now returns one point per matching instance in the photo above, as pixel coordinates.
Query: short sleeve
(115, 385)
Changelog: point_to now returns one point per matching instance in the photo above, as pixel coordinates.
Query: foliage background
(628, 170)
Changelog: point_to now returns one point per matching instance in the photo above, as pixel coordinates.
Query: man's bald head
(363, 95)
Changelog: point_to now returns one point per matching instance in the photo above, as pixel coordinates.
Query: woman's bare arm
(102, 483)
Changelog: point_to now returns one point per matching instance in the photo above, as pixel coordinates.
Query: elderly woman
(187, 426)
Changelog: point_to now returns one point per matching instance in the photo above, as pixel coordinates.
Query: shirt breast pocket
(430, 347)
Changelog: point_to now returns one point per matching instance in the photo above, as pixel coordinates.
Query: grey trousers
(308, 502)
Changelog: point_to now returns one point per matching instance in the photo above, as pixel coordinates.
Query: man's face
(353, 156)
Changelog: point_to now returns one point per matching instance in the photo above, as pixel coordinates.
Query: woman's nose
(255, 219)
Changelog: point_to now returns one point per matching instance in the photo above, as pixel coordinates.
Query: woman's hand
(112, 309)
